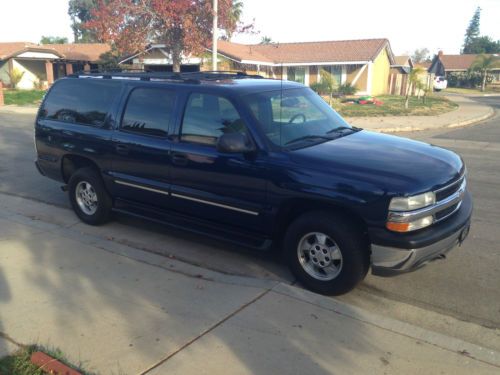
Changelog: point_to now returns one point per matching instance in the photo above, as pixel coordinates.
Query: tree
(483, 64)
(329, 82)
(266, 40)
(420, 55)
(53, 40)
(80, 12)
(413, 81)
(184, 26)
(483, 44)
(472, 30)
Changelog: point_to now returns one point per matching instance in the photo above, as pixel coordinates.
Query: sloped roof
(306, 52)
(457, 62)
(402, 61)
(9, 49)
(79, 51)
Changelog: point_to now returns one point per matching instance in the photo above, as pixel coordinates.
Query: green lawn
(19, 363)
(461, 90)
(23, 97)
(394, 106)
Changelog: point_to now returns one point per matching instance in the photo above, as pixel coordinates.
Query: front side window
(149, 111)
(80, 101)
(295, 115)
(207, 117)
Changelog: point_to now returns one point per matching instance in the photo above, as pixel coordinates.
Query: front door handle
(179, 159)
(122, 149)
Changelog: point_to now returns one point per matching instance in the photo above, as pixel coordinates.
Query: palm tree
(235, 13)
(483, 64)
(413, 81)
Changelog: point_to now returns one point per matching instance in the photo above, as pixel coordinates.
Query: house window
(297, 74)
(335, 71)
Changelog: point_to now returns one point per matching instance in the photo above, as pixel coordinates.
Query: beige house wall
(380, 74)
(4, 72)
(34, 70)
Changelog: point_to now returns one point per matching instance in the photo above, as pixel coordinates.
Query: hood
(394, 164)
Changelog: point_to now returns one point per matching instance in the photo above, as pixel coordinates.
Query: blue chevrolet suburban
(260, 163)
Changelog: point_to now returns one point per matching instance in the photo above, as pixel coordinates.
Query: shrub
(347, 89)
(15, 77)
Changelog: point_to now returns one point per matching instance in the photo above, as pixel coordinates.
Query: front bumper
(408, 252)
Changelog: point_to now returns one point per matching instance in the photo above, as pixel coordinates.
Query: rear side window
(207, 117)
(149, 111)
(81, 101)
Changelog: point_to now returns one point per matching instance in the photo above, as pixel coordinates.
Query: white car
(440, 83)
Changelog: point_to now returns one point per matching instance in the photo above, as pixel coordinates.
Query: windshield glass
(295, 115)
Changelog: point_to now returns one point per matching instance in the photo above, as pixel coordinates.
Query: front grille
(443, 214)
(448, 190)
(454, 194)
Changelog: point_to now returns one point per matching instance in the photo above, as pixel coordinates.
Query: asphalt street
(465, 286)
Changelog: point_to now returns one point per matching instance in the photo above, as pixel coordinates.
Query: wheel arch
(71, 163)
(290, 210)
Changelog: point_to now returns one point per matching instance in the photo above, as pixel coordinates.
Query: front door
(141, 160)
(219, 187)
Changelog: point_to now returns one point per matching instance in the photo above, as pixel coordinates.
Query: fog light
(410, 226)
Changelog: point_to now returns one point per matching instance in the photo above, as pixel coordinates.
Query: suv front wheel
(326, 252)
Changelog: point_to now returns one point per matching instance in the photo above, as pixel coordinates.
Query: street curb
(473, 121)
(18, 110)
(459, 124)
(439, 340)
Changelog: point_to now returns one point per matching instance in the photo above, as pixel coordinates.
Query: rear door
(224, 188)
(141, 159)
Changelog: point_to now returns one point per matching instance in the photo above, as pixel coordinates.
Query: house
(398, 77)
(443, 65)
(363, 63)
(42, 64)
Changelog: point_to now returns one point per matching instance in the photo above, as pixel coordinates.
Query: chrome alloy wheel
(319, 256)
(86, 198)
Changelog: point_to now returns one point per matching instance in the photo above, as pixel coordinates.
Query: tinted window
(82, 101)
(149, 111)
(207, 117)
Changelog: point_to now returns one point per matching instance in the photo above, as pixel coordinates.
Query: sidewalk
(468, 112)
(119, 310)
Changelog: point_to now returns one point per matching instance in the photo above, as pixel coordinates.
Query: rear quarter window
(80, 101)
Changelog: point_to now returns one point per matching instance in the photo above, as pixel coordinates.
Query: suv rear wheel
(88, 197)
(326, 252)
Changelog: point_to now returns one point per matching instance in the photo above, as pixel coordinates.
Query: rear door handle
(122, 149)
(179, 159)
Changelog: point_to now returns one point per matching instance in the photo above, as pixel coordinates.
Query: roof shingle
(306, 52)
(80, 51)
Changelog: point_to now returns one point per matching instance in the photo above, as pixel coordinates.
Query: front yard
(23, 97)
(394, 106)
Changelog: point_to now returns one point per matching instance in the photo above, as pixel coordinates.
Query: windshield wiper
(341, 128)
(308, 137)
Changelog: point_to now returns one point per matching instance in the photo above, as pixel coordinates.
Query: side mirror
(235, 143)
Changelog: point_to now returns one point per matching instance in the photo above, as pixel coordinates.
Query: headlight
(412, 203)
(410, 225)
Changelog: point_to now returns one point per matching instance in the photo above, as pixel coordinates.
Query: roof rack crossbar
(188, 77)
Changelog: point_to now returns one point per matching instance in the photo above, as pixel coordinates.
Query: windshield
(295, 116)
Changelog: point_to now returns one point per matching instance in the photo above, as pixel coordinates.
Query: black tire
(103, 204)
(349, 240)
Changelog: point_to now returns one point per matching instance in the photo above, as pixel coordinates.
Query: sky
(433, 24)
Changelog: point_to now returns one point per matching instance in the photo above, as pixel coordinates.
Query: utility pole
(215, 36)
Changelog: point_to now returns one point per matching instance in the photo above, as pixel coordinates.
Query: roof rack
(187, 77)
